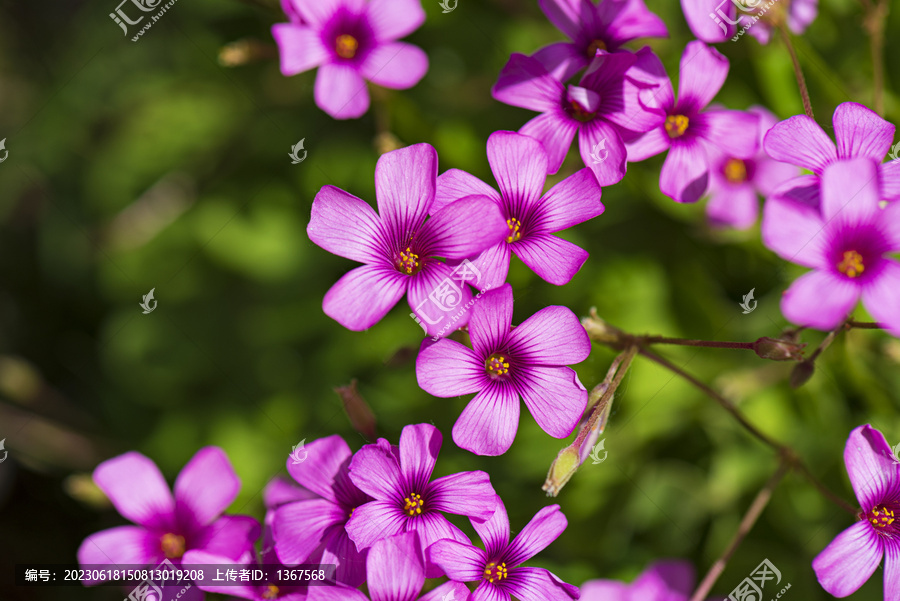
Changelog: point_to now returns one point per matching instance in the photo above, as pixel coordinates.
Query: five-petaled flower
(497, 568)
(665, 580)
(399, 247)
(351, 41)
(399, 479)
(519, 164)
(851, 558)
(507, 363)
(846, 242)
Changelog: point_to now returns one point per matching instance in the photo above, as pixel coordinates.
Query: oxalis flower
(351, 41)
(167, 527)
(717, 20)
(506, 364)
(497, 568)
(859, 131)
(405, 498)
(519, 164)
(314, 530)
(396, 572)
(603, 109)
(685, 129)
(846, 243)
(400, 246)
(667, 580)
(851, 558)
(590, 27)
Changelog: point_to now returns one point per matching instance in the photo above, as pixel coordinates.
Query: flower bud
(778, 350)
(561, 470)
(801, 373)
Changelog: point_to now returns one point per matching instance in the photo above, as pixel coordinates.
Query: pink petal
(555, 398)
(394, 19)
(363, 296)
(205, 487)
(396, 568)
(703, 71)
(819, 300)
(599, 138)
(204, 558)
(440, 300)
(890, 221)
(880, 297)
(850, 192)
(374, 521)
(375, 470)
(525, 83)
(850, 560)
(564, 14)
(325, 458)
(771, 174)
(419, 448)
(448, 369)
(870, 464)
(892, 571)
(452, 233)
(555, 260)
(649, 74)
(487, 591)
(405, 182)
(432, 526)
(488, 424)
(552, 336)
(491, 320)
(562, 60)
(299, 48)
(889, 178)
(734, 206)
(319, 12)
(736, 133)
(125, 545)
(607, 70)
(685, 173)
(647, 145)
(570, 202)
(519, 164)
(795, 232)
(538, 584)
(630, 19)
(341, 551)
(341, 91)
(395, 65)
(491, 267)
(800, 141)
(546, 525)
(697, 14)
(555, 132)
(665, 579)
(137, 489)
(455, 184)
(448, 591)
(494, 532)
(299, 527)
(464, 493)
(605, 590)
(336, 593)
(461, 562)
(280, 490)
(860, 132)
(345, 225)
(230, 536)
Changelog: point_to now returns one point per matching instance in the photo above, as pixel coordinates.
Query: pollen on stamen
(346, 46)
(883, 518)
(414, 505)
(172, 545)
(497, 365)
(852, 264)
(676, 125)
(408, 262)
(735, 171)
(515, 230)
(271, 592)
(492, 572)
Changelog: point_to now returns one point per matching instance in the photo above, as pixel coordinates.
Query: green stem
(798, 72)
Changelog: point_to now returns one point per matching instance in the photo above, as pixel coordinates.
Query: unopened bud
(599, 330)
(561, 470)
(361, 417)
(779, 350)
(801, 373)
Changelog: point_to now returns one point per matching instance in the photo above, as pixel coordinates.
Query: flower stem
(798, 72)
(753, 513)
(688, 342)
(866, 325)
(874, 21)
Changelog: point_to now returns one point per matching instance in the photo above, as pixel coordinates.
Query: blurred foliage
(148, 165)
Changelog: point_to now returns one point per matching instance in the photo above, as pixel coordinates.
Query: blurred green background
(151, 165)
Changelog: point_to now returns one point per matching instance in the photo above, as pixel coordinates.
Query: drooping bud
(361, 417)
(599, 330)
(778, 350)
(801, 373)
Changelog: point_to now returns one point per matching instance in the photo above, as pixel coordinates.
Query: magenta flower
(667, 580)
(603, 109)
(497, 568)
(351, 41)
(800, 14)
(734, 183)
(851, 558)
(507, 364)
(519, 165)
(859, 131)
(314, 530)
(399, 247)
(405, 499)
(717, 20)
(591, 27)
(167, 527)
(396, 570)
(846, 244)
(686, 130)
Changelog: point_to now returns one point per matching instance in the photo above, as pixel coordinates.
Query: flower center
(676, 125)
(594, 46)
(881, 517)
(579, 112)
(492, 571)
(515, 230)
(413, 505)
(497, 365)
(735, 171)
(852, 266)
(271, 592)
(408, 262)
(172, 545)
(346, 46)
(351, 511)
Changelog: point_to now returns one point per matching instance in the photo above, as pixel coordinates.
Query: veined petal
(455, 184)
(395, 65)
(327, 456)
(490, 267)
(396, 568)
(850, 560)
(600, 139)
(524, 82)
(880, 296)
(374, 521)
(376, 471)
(448, 591)
(341, 91)
(555, 131)
(552, 336)
(299, 48)
(448, 368)
(819, 299)
(647, 145)
(860, 132)
(465, 227)
(341, 551)
(564, 14)
(280, 490)
(335, 593)
(555, 397)
(562, 60)
(491, 320)
(419, 448)
(795, 232)
(570, 202)
(630, 19)
(488, 424)
(230, 536)
(544, 528)
(299, 528)
(464, 493)
(850, 192)
(200, 558)
(346, 226)
(461, 562)
(129, 545)
(702, 72)
(487, 591)
(405, 182)
(889, 178)
(538, 584)
(870, 463)
(137, 490)
(364, 295)
(606, 71)
(803, 190)
(519, 164)
(494, 532)
(649, 73)
(432, 526)
(555, 260)
(709, 30)
(394, 19)
(800, 141)
(440, 299)
(685, 172)
(891, 571)
(205, 487)
(736, 133)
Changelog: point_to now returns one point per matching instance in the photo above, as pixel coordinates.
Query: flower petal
(519, 164)
(733, 206)
(394, 19)
(299, 48)
(494, 532)
(375, 470)
(487, 591)
(125, 545)
(440, 299)
(137, 490)
(341, 91)
(564, 14)
(874, 473)
(795, 232)
(455, 184)
(364, 295)
(449, 591)
(491, 320)
(341, 551)
(205, 487)
(880, 297)
(570, 202)
(702, 72)
(849, 560)
(374, 521)
(709, 30)
(889, 178)
(454, 234)
(395, 65)
(892, 571)
(488, 424)
(205, 558)
(555, 131)
(396, 568)
(335, 593)
(325, 458)
(538, 584)
(464, 493)
(280, 490)
(555, 398)
(405, 182)
(685, 173)
(562, 60)
(665, 579)
(800, 141)
(448, 369)
(346, 226)
(555, 260)
(600, 138)
(490, 267)
(420, 445)
(524, 82)
(820, 300)
(736, 133)
(552, 336)
(860, 132)
(630, 19)
(299, 528)
(544, 528)
(850, 192)
(647, 145)
(461, 562)
(432, 526)
(607, 590)
(318, 13)
(230, 536)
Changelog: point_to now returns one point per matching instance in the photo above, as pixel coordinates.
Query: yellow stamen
(515, 230)
(172, 545)
(594, 47)
(271, 592)
(346, 46)
(852, 265)
(735, 171)
(883, 519)
(497, 365)
(676, 125)
(413, 505)
(492, 572)
(409, 261)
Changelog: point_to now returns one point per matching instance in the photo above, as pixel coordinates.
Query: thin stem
(875, 20)
(798, 72)
(753, 513)
(688, 342)
(866, 325)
